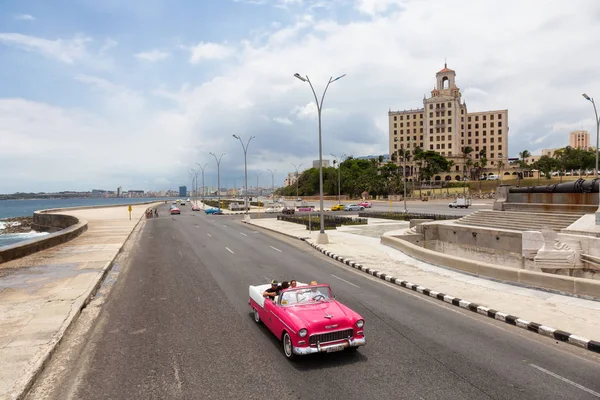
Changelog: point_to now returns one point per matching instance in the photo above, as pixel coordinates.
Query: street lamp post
(322, 237)
(245, 171)
(195, 185)
(218, 176)
(203, 187)
(591, 99)
(297, 168)
(272, 183)
(258, 174)
(339, 164)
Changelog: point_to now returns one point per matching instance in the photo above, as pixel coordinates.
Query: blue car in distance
(216, 211)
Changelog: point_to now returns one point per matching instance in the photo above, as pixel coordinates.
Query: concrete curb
(556, 334)
(40, 363)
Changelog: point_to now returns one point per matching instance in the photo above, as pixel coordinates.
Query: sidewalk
(362, 245)
(41, 294)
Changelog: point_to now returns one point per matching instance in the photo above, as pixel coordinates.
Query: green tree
(546, 165)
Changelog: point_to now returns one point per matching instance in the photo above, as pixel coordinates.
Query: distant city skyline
(96, 96)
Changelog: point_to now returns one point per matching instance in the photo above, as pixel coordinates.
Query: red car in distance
(175, 211)
(365, 204)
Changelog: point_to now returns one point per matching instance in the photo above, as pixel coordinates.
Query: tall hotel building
(444, 125)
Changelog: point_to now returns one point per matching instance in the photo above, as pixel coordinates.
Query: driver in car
(273, 290)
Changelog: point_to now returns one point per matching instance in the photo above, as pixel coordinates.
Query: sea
(25, 208)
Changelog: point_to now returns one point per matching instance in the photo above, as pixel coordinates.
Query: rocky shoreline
(16, 225)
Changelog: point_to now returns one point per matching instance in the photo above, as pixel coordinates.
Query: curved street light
(322, 237)
(591, 99)
(218, 176)
(272, 171)
(245, 148)
(339, 164)
(203, 187)
(297, 179)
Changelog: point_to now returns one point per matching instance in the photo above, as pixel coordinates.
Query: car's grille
(330, 336)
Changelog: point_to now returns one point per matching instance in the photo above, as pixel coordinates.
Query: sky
(96, 94)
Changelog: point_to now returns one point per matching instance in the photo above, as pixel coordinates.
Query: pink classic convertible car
(307, 319)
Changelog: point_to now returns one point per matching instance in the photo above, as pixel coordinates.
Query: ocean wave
(12, 238)
(4, 224)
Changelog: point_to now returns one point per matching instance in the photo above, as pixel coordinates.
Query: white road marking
(224, 226)
(209, 235)
(276, 249)
(577, 385)
(242, 233)
(229, 250)
(180, 254)
(173, 236)
(343, 280)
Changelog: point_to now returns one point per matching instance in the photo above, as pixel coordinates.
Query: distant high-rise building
(445, 126)
(579, 140)
(119, 191)
(182, 191)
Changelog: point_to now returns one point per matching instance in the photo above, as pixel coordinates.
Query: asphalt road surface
(177, 325)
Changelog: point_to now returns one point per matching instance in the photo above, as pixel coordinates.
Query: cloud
(283, 120)
(209, 51)
(119, 99)
(67, 51)
(152, 55)
(140, 127)
(25, 17)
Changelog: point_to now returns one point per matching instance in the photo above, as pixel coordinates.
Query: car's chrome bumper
(301, 351)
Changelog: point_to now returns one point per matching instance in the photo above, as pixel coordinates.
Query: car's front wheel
(288, 348)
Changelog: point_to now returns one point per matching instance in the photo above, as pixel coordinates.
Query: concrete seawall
(63, 228)
(565, 284)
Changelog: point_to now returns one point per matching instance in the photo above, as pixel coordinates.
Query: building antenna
(445, 62)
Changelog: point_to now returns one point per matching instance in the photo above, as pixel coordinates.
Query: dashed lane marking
(229, 250)
(209, 235)
(577, 385)
(276, 249)
(343, 280)
(242, 233)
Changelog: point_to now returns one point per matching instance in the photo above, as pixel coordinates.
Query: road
(177, 325)
(430, 207)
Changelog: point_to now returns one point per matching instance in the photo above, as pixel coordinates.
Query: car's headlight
(360, 323)
(302, 332)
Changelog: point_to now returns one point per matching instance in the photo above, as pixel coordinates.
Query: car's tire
(288, 350)
(256, 316)
(450, 205)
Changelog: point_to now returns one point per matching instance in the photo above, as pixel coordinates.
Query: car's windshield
(305, 295)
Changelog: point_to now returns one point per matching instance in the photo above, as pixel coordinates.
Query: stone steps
(519, 221)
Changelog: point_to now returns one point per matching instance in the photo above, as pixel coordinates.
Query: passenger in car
(273, 290)
(293, 283)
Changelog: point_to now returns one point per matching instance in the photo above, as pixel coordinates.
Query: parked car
(493, 177)
(308, 319)
(215, 211)
(365, 204)
(195, 207)
(288, 210)
(338, 207)
(353, 207)
(175, 210)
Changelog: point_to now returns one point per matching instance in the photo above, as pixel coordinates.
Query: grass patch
(330, 221)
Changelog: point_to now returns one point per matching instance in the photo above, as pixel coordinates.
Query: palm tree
(482, 164)
(418, 158)
(467, 162)
(523, 155)
(500, 169)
